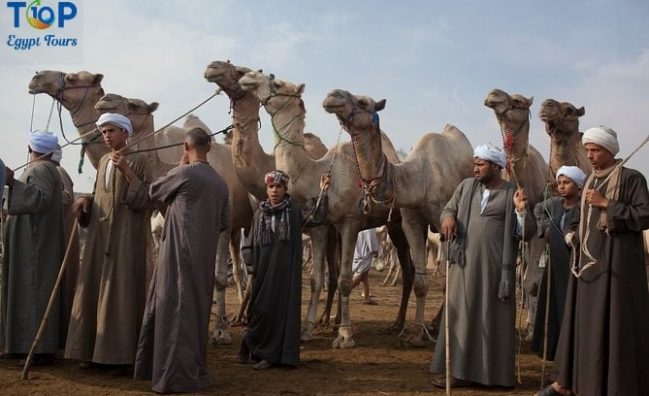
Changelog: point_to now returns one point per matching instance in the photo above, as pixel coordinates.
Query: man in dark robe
(554, 216)
(481, 220)
(273, 333)
(604, 342)
(35, 248)
(173, 342)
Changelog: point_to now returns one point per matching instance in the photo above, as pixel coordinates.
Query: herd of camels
(370, 185)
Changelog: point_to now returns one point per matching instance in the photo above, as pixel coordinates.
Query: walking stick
(546, 319)
(50, 304)
(447, 344)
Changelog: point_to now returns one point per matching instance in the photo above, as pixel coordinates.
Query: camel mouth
(211, 74)
(332, 107)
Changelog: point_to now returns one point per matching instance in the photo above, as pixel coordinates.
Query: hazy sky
(433, 61)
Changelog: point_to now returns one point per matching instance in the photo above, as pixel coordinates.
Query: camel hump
(192, 121)
(169, 135)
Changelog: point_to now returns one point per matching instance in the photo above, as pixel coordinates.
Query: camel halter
(266, 101)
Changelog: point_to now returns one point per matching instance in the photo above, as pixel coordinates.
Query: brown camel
(282, 100)
(140, 114)
(251, 163)
(527, 168)
(78, 93)
(420, 185)
(562, 125)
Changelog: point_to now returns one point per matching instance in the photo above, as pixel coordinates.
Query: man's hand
(448, 228)
(81, 207)
(9, 179)
(520, 200)
(595, 198)
(120, 162)
(184, 160)
(569, 238)
(325, 181)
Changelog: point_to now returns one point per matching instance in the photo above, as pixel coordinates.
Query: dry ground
(377, 366)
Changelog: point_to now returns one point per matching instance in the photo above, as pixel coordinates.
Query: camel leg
(333, 265)
(396, 276)
(349, 233)
(391, 268)
(408, 270)
(416, 233)
(319, 244)
(221, 334)
(237, 273)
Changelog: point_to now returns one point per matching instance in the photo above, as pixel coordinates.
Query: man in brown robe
(173, 342)
(35, 247)
(110, 295)
(604, 343)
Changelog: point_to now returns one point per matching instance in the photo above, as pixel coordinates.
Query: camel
(140, 114)
(251, 163)
(283, 101)
(420, 185)
(78, 93)
(562, 125)
(527, 168)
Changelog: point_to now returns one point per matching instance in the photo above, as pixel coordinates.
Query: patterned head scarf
(276, 177)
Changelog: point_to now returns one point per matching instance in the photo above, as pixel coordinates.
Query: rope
(224, 130)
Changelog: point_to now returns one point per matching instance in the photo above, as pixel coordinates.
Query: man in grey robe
(481, 222)
(35, 247)
(173, 341)
(603, 347)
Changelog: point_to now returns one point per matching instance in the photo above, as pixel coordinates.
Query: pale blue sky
(434, 62)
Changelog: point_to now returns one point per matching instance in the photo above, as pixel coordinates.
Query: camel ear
(581, 111)
(153, 106)
(71, 77)
(300, 89)
(97, 79)
(380, 105)
(530, 100)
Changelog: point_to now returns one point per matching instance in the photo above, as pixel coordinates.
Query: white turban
(602, 136)
(116, 119)
(43, 142)
(57, 155)
(573, 173)
(489, 152)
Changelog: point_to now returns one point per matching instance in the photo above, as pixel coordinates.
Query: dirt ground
(377, 366)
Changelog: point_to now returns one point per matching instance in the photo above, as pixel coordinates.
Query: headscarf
(276, 177)
(573, 173)
(602, 136)
(489, 152)
(116, 119)
(57, 155)
(43, 142)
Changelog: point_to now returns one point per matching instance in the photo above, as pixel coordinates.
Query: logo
(41, 16)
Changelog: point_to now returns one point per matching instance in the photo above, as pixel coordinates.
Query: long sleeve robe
(173, 343)
(35, 247)
(111, 287)
(481, 328)
(604, 343)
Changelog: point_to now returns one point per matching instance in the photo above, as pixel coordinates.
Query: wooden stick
(547, 319)
(447, 344)
(50, 304)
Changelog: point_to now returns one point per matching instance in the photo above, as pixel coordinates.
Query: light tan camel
(251, 163)
(420, 185)
(562, 125)
(78, 93)
(282, 100)
(140, 114)
(527, 168)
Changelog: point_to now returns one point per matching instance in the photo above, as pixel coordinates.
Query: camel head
(137, 110)
(226, 76)
(560, 118)
(512, 111)
(356, 113)
(68, 88)
(272, 93)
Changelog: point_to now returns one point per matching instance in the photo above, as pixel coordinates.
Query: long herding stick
(50, 304)
(447, 344)
(548, 288)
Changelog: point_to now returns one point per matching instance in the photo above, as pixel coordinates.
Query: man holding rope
(480, 222)
(604, 343)
(111, 288)
(34, 252)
